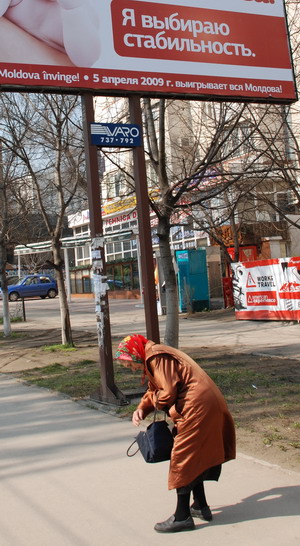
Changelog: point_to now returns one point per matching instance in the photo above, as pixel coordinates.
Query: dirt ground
(263, 393)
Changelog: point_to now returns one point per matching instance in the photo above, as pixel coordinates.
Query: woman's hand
(137, 417)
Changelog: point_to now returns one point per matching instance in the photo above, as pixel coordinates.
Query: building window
(239, 140)
(82, 255)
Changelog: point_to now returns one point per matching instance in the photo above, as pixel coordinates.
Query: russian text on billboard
(237, 48)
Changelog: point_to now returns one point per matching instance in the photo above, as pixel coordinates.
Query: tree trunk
(5, 305)
(235, 237)
(66, 331)
(172, 318)
(6, 315)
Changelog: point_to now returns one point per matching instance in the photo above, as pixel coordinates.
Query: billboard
(267, 289)
(193, 48)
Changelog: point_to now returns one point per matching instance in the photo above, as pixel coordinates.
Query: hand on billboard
(81, 30)
(71, 4)
(18, 46)
(4, 4)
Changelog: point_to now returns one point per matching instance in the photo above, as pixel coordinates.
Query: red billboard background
(241, 25)
(238, 49)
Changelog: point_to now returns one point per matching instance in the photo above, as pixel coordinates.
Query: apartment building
(249, 144)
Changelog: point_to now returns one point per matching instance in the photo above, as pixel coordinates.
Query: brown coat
(205, 430)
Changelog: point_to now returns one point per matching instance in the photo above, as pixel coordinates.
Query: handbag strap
(132, 454)
(155, 414)
(135, 442)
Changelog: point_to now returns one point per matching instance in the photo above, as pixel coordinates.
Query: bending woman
(204, 429)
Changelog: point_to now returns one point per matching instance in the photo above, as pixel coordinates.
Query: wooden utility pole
(108, 392)
(145, 239)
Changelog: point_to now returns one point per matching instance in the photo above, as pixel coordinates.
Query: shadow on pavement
(273, 503)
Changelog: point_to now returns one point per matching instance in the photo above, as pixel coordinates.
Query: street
(217, 329)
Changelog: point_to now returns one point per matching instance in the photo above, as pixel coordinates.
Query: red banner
(213, 36)
(267, 289)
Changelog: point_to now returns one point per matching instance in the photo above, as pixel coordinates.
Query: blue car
(115, 285)
(32, 286)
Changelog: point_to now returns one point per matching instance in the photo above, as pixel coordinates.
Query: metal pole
(67, 270)
(23, 310)
(109, 392)
(138, 248)
(147, 263)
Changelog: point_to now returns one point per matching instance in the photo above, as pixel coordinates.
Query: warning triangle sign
(250, 281)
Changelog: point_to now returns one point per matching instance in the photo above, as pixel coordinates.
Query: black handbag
(155, 443)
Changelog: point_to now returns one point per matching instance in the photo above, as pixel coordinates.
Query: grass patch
(76, 380)
(239, 384)
(13, 335)
(56, 348)
(126, 411)
(79, 379)
(12, 319)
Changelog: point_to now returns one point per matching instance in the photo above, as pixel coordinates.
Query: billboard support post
(142, 200)
(108, 392)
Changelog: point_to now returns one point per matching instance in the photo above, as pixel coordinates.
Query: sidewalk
(66, 481)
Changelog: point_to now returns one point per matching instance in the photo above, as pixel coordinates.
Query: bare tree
(278, 198)
(246, 175)
(206, 178)
(44, 133)
(200, 169)
(14, 221)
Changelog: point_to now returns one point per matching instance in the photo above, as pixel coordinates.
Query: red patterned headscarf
(131, 351)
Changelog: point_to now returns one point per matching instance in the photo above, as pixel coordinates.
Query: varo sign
(117, 135)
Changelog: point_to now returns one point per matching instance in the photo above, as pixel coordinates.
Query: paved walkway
(66, 481)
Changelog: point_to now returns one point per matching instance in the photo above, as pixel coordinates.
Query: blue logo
(118, 135)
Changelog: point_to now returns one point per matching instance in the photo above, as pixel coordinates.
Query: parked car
(32, 286)
(115, 285)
